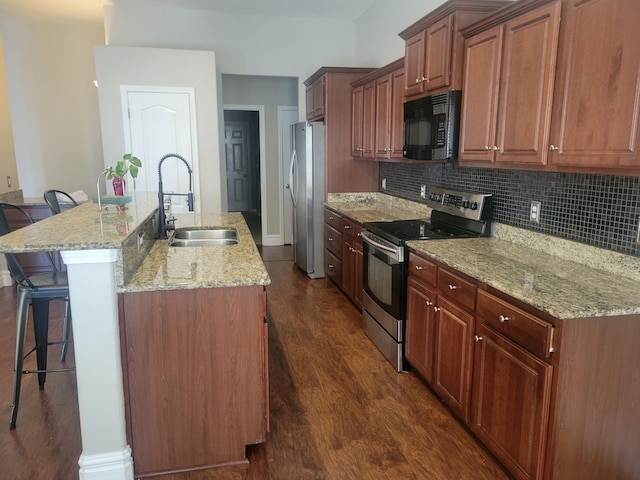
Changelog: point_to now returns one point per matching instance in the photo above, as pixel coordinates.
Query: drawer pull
(436, 309)
(503, 319)
(331, 217)
(477, 339)
(453, 287)
(418, 267)
(331, 239)
(428, 303)
(347, 227)
(330, 265)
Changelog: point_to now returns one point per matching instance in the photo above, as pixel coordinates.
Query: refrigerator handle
(292, 190)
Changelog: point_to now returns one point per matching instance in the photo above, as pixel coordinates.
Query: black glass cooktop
(399, 231)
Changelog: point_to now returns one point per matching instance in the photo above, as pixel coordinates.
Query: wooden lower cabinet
(553, 399)
(343, 254)
(511, 398)
(195, 375)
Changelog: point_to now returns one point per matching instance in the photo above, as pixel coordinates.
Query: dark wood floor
(339, 410)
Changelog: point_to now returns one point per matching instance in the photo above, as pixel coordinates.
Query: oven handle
(367, 237)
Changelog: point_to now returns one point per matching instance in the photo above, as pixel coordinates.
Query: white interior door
(286, 117)
(158, 121)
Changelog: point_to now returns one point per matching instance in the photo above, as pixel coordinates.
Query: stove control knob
(474, 205)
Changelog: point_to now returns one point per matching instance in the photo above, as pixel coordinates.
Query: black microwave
(431, 127)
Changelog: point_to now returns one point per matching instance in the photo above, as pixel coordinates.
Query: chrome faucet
(165, 223)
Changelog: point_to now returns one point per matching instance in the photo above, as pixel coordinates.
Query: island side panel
(194, 376)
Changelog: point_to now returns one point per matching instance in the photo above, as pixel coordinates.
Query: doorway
(242, 156)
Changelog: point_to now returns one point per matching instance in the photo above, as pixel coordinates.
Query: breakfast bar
(111, 253)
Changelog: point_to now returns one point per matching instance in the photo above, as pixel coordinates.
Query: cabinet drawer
(455, 288)
(534, 334)
(333, 240)
(423, 269)
(334, 219)
(348, 228)
(333, 267)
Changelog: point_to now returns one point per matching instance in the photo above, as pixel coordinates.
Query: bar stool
(38, 289)
(51, 199)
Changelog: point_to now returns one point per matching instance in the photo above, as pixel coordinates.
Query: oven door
(384, 274)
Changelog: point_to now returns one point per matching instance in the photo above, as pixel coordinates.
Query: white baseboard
(272, 240)
(107, 466)
(5, 278)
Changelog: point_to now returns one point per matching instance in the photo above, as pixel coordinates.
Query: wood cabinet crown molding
(450, 7)
(499, 17)
(378, 72)
(322, 70)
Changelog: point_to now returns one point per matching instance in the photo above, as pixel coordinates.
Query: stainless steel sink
(203, 237)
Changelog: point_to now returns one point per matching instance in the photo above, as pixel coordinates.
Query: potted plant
(129, 164)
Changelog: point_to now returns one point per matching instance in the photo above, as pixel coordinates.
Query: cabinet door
(356, 121)
(526, 86)
(596, 103)
(368, 119)
(437, 62)
(420, 328)
(309, 102)
(511, 398)
(480, 96)
(318, 97)
(397, 114)
(384, 86)
(452, 365)
(414, 64)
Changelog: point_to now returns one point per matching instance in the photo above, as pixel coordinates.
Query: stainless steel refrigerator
(306, 180)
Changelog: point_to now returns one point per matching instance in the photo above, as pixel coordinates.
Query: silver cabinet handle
(487, 147)
(428, 303)
(436, 309)
(453, 287)
(553, 148)
(496, 148)
(330, 265)
(418, 267)
(477, 339)
(503, 319)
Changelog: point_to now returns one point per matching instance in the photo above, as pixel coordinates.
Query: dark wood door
(397, 114)
(526, 86)
(414, 64)
(452, 365)
(357, 121)
(511, 399)
(478, 119)
(369, 120)
(437, 63)
(596, 104)
(420, 328)
(384, 91)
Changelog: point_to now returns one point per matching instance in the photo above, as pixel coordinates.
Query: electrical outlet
(384, 183)
(423, 191)
(534, 212)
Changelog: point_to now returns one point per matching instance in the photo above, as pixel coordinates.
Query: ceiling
(91, 10)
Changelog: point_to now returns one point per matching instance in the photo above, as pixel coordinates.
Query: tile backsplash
(599, 210)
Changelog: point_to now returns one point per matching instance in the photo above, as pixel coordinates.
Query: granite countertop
(130, 232)
(174, 268)
(376, 207)
(558, 286)
(562, 278)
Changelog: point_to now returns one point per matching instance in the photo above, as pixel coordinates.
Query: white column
(105, 453)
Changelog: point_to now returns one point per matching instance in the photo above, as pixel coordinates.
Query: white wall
(8, 167)
(53, 102)
(376, 36)
(116, 66)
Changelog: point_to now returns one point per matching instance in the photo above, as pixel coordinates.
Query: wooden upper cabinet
(508, 88)
(377, 116)
(596, 103)
(433, 46)
(315, 99)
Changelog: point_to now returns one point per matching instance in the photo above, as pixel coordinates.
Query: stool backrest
(15, 268)
(51, 198)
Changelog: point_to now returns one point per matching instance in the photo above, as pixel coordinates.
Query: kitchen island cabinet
(195, 373)
(555, 358)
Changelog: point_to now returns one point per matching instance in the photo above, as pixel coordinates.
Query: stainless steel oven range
(454, 215)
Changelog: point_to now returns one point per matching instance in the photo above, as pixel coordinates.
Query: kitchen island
(109, 254)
